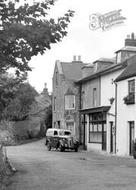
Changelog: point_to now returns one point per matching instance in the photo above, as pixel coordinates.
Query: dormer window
(125, 53)
(119, 57)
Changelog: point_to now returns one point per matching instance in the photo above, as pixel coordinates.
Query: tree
(48, 118)
(8, 87)
(19, 106)
(25, 32)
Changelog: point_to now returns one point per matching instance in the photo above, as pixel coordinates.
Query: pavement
(39, 169)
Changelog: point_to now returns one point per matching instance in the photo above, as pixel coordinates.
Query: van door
(55, 139)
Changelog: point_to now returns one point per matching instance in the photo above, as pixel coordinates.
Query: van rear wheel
(48, 147)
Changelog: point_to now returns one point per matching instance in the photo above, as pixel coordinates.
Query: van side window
(55, 132)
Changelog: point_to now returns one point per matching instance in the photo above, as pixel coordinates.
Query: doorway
(104, 136)
(111, 136)
(131, 137)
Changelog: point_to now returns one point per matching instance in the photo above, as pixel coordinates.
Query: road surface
(39, 169)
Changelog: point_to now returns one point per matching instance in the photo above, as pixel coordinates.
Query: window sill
(129, 102)
(93, 142)
(69, 108)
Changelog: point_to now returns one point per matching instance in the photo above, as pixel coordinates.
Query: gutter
(107, 70)
(80, 94)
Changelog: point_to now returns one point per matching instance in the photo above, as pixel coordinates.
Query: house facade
(65, 99)
(99, 111)
(96, 91)
(97, 101)
(126, 109)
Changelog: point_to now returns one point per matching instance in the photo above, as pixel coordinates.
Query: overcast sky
(80, 40)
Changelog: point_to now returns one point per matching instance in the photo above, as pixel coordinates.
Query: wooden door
(111, 136)
(104, 136)
(131, 136)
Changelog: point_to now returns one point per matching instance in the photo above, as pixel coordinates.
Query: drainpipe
(80, 91)
(115, 116)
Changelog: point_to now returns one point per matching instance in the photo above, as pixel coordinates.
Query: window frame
(95, 132)
(74, 102)
(54, 106)
(119, 57)
(94, 97)
(56, 78)
(131, 92)
(129, 87)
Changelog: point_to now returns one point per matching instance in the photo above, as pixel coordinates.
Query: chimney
(130, 40)
(79, 58)
(128, 36)
(132, 36)
(74, 58)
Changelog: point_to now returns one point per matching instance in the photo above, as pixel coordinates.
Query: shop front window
(95, 133)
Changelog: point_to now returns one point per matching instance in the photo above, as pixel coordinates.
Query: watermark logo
(106, 21)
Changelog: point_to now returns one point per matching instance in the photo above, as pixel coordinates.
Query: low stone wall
(7, 136)
(6, 169)
(13, 132)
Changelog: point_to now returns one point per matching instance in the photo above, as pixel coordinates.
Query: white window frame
(70, 108)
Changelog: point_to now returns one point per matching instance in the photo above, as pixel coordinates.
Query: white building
(101, 105)
(126, 110)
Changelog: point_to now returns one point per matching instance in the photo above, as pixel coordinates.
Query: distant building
(38, 113)
(66, 96)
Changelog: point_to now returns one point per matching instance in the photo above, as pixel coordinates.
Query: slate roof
(104, 71)
(127, 48)
(103, 59)
(72, 70)
(130, 71)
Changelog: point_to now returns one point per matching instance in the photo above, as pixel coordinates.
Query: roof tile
(72, 70)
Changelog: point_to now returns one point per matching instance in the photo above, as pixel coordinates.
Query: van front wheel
(62, 148)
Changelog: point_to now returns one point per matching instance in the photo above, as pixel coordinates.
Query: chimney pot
(132, 36)
(130, 40)
(74, 58)
(128, 36)
(79, 57)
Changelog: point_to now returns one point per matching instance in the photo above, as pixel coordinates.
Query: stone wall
(60, 115)
(6, 133)
(12, 132)
(6, 169)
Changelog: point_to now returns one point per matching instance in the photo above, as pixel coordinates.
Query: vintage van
(61, 139)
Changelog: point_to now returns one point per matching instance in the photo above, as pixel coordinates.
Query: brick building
(66, 95)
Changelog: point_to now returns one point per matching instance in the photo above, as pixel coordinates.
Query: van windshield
(63, 133)
(67, 133)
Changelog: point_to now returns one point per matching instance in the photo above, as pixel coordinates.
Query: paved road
(39, 169)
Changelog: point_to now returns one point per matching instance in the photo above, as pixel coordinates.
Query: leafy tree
(25, 31)
(18, 107)
(8, 87)
(48, 118)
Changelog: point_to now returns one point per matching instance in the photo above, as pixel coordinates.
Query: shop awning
(95, 110)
